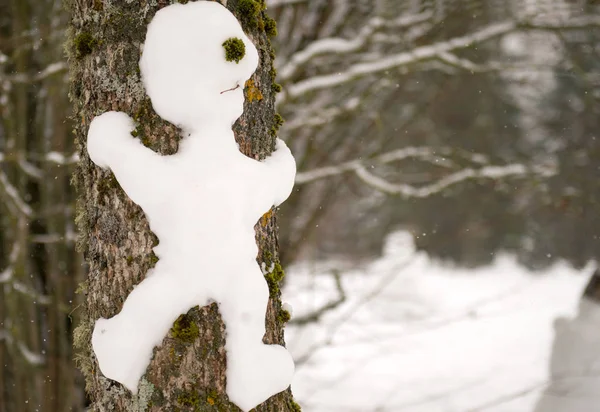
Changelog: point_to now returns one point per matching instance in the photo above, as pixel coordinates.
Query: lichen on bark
(187, 371)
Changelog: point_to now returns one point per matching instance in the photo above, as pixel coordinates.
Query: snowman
(202, 203)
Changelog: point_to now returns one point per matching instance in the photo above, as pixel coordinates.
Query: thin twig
(316, 315)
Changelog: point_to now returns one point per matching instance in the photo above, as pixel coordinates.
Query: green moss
(153, 259)
(82, 337)
(274, 277)
(155, 240)
(82, 288)
(249, 11)
(144, 108)
(135, 133)
(276, 87)
(284, 316)
(146, 141)
(84, 44)
(185, 329)
(249, 8)
(270, 26)
(277, 123)
(108, 184)
(235, 49)
(278, 119)
(158, 399)
(267, 258)
(294, 407)
(212, 397)
(190, 399)
(81, 217)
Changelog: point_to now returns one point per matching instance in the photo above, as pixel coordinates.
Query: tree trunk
(592, 290)
(187, 371)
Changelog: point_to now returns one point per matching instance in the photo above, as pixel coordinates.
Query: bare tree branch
(315, 315)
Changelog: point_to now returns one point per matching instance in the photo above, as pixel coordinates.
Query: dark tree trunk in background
(592, 290)
(39, 269)
(187, 371)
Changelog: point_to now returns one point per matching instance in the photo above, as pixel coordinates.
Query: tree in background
(564, 218)
(188, 369)
(426, 116)
(40, 268)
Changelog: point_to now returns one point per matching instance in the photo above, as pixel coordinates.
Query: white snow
(415, 335)
(202, 203)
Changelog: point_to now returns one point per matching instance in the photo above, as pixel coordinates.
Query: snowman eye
(235, 49)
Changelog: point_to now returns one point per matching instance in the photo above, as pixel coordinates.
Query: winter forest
(436, 249)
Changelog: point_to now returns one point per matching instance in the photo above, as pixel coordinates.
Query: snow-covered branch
(61, 158)
(30, 356)
(431, 155)
(397, 60)
(7, 277)
(440, 51)
(38, 298)
(280, 3)
(15, 198)
(438, 156)
(486, 172)
(54, 68)
(7, 274)
(453, 60)
(341, 46)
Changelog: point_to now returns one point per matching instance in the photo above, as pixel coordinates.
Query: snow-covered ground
(415, 335)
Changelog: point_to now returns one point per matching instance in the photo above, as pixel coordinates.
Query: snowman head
(184, 65)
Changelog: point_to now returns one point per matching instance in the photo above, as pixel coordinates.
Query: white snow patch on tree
(202, 203)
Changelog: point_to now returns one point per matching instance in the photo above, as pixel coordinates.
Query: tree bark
(187, 371)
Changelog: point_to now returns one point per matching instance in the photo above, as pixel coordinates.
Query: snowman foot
(255, 373)
(117, 350)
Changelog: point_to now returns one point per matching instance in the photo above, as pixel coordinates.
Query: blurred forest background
(472, 124)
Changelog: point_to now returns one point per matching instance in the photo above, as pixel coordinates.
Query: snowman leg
(123, 344)
(111, 145)
(255, 371)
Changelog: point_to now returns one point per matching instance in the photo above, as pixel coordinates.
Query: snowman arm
(281, 172)
(110, 145)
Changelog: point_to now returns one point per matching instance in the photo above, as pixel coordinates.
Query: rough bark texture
(187, 372)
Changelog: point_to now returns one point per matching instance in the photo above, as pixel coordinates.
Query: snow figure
(202, 203)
